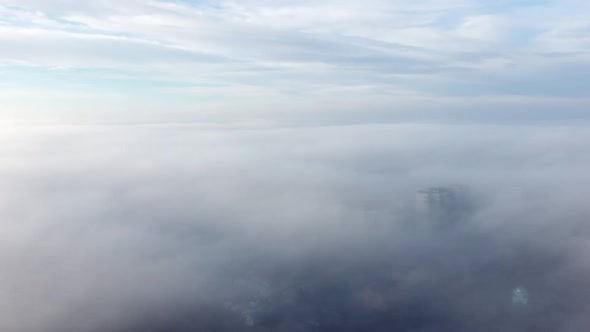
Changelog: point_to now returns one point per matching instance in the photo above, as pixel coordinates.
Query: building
(445, 205)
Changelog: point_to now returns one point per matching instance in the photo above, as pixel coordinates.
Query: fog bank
(187, 228)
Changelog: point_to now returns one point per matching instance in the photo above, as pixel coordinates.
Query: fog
(301, 228)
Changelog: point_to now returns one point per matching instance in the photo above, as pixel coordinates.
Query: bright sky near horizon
(154, 60)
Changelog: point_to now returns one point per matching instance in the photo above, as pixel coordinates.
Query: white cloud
(111, 227)
(292, 47)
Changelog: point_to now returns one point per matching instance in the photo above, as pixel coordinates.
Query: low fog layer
(185, 228)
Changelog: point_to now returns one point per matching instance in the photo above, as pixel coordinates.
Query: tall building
(446, 204)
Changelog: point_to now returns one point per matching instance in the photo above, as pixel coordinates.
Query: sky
(253, 60)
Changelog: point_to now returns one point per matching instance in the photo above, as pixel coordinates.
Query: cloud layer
(181, 228)
(273, 57)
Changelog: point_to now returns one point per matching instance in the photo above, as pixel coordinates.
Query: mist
(293, 228)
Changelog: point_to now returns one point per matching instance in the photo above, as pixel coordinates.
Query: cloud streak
(433, 50)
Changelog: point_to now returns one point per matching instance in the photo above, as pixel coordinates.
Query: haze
(176, 166)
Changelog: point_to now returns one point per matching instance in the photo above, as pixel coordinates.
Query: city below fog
(167, 228)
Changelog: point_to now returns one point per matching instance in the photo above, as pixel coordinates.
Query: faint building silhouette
(444, 205)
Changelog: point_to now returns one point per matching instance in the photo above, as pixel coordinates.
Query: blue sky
(145, 61)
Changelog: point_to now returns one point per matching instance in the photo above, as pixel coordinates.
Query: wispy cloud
(434, 49)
